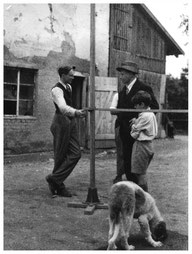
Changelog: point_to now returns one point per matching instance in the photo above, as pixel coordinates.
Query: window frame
(18, 85)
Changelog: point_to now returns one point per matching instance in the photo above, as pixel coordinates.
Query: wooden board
(105, 88)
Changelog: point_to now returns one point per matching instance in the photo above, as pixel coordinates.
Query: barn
(38, 38)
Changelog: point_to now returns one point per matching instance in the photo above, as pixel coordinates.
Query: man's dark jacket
(124, 102)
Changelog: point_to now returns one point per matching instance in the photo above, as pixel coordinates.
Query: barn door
(105, 88)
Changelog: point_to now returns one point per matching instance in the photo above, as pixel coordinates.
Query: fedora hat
(129, 66)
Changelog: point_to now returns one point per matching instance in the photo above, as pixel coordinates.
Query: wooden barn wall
(120, 32)
(133, 37)
(152, 79)
(147, 44)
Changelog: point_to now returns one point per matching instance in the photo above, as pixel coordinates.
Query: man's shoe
(117, 179)
(63, 192)
(52, 185)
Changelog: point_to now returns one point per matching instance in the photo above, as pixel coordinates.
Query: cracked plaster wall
(38, 29)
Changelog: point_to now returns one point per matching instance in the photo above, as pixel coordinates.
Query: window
(19, 85)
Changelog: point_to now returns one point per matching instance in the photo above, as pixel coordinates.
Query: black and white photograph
(95, 126)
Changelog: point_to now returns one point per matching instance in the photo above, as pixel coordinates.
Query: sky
(169, 15)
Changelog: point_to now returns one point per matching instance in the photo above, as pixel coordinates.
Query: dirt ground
(35, 221)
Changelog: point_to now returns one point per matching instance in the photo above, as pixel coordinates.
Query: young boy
(144, 129)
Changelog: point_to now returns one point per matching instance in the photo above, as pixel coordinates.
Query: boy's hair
(141, 96)
(64, 70)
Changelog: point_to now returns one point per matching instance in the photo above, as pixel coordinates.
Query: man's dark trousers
(66, 147)
(119, 150)
(127, 152)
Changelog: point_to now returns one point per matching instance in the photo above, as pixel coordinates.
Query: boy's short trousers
(142, 154)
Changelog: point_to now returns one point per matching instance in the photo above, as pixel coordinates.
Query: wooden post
(92, 201)
(92, 97)
(161, 132)
(92, 192)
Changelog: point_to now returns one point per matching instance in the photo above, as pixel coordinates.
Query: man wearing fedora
(131, 85)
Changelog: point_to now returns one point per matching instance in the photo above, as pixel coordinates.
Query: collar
(63, 84)
(131, 84)
(145, 111)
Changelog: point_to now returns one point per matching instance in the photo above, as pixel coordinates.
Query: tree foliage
(177, 91)
(185, 23)
(177, 95)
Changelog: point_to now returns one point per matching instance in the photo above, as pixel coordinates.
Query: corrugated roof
(172, 47)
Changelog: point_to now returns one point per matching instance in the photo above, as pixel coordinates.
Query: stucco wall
(47, 36)
(36, 29)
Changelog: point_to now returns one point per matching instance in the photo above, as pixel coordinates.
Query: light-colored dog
(127, 201)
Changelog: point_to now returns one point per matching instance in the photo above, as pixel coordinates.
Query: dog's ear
(160, 232)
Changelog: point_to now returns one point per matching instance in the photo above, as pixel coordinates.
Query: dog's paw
(131, 247)
(111, 246)
(157, 244)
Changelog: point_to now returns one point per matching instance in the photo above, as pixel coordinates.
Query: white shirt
(114, 101)
(145, 127)
(116, 96)
(57, 96)
(131, 84)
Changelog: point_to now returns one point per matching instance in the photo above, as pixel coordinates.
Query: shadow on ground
(175, 241)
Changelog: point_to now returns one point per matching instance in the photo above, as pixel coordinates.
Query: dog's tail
(111, 242)
(114, 217)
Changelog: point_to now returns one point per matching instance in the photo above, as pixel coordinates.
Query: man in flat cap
(65, 136)
(131, 85)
